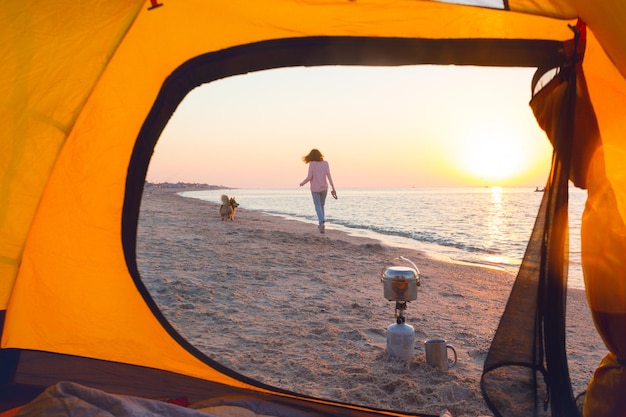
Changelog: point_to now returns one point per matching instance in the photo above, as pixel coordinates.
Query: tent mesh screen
(526, 371)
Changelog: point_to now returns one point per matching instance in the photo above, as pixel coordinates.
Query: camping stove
(400, 285)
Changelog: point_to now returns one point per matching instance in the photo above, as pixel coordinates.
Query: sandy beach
(277, 301)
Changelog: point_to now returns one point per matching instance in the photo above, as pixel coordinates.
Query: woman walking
(319, 171)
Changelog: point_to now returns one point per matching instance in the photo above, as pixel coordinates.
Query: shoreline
(447, 250)
(306, 312)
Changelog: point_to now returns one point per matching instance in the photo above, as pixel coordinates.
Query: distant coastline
(185, 185)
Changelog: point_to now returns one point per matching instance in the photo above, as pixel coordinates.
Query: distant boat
(539, 190)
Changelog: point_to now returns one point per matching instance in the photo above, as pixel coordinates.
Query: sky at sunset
(378, 127)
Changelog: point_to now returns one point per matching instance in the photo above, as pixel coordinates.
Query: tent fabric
(68, 399)
(86, 89)
(603, 232)
(600, 398)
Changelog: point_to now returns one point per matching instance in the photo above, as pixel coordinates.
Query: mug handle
(450, 365)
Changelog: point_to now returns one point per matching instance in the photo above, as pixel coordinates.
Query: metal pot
(400, 282)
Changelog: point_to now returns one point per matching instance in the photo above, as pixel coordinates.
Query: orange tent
(86, 89)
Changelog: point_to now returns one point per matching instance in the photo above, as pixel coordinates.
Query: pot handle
(417, 278)
(409, 261)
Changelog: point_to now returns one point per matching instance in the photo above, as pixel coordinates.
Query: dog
(228, 208)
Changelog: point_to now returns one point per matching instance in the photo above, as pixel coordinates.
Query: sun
(493, 157)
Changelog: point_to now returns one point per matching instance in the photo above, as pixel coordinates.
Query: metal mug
(437, 354)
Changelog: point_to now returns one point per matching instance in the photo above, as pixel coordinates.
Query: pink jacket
(318, 172)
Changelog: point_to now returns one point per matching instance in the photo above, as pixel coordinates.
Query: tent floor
(35, 371)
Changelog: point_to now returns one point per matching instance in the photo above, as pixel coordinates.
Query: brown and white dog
(228, 208)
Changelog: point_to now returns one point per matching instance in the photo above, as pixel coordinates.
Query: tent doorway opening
(270, 298)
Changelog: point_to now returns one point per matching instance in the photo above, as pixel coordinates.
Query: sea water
(482, 225)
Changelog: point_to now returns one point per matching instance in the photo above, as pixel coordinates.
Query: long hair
(314, 155)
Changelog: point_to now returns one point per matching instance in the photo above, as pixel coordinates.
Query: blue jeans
(319, 199)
